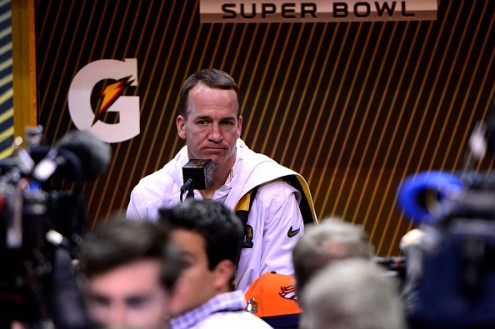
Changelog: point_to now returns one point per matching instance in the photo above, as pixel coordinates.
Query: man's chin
(219, 158)
(216, 158)
(211, 154)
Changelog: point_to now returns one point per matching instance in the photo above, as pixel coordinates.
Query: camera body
(42, 222)
(451, 281)
(29, 210)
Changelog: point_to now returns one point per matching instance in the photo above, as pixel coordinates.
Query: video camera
(394, 265)
(42, 224)
(450, 277)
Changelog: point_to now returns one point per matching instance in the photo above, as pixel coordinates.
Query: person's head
(352, 293)
(209, 117)
(128, 269)
(331, 240)
(210, 237)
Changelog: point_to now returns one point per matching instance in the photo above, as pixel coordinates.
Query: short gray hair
(333, 239)
(352, 293)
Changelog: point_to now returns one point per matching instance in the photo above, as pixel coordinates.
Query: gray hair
(331, 240)
(352, 293)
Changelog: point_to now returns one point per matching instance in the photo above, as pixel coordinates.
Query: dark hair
(220, 227)
(122, 241)
(213, 78)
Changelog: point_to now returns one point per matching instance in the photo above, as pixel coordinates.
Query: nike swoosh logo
(292, 232)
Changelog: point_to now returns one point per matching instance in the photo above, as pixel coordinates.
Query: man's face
(212, 126)
(196, 284)
(129, 296)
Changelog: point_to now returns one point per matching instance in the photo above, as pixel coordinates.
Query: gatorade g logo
(88, 109)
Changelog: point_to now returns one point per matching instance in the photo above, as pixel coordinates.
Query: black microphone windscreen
(200, 171)
(94, 154)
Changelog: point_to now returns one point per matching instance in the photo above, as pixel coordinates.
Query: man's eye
(202, 123)
(137, 302)
(186, 263)
(101, 301)
(228, 126)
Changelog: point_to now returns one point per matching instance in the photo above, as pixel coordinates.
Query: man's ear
(239, 126)
(223, 275)
(180, 122)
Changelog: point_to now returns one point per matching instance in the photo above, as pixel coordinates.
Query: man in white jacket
(273, 201)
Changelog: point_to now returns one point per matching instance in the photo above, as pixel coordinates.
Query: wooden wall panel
(355, 107)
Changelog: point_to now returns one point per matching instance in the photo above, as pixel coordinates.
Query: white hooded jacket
(275, 217)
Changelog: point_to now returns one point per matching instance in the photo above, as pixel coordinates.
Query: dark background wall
(354, 107)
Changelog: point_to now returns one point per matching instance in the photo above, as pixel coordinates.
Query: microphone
(197, 174)
(77, 155)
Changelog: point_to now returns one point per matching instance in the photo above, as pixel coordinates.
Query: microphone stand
(187, 187)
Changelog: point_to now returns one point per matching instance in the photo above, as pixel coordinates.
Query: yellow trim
(6, 48)
(6, 80)
(24, 67)
(5, 134)
(6, 153)
(306, 205)
(5, 64)
(5, 32)
(244, 203)
(307, 194)
(6, 95)
(6, 115)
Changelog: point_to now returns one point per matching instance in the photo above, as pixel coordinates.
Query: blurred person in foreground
(352, 293)
(128, 270)
(332, 240)
(210, 238)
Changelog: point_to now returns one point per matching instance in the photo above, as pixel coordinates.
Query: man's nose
(116, 317)
(216, 133)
